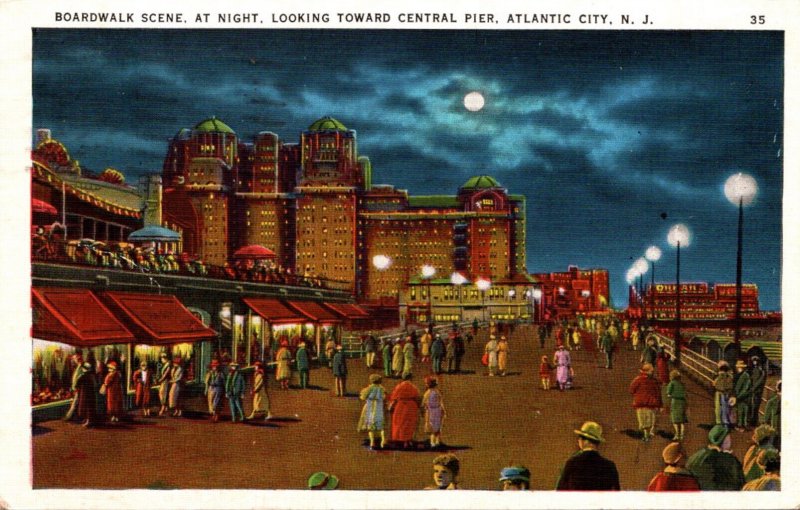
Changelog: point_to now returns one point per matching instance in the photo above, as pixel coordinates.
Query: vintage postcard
(331, 256)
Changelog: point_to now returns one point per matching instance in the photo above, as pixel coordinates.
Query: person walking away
(763, 437)
(113, 391)
(491, 351)
(302, 361)
(425, 347)
(215, 389)
(635, 339)
(404, 404)
(587, 470)
(742, 394)
(646, 392)
(408, 356)
(607, 346)
(372, 415)
(723, 386)
(502, 355)
(437, 354)
(234, 389)
(545, 373)
(649, 353)
(542, 335)
(433, 405)
(164, 376)
(175, 386)
(770, 462)
(461, 349)
(370, 347)
(715, 468)
(450, 354)
(675, 476)
(340, 372)
(563, 362)
(758, 379)
(676, 393)
(259, 392)
(386, 355)
(475, 326)
(397, 358)
(142, 380)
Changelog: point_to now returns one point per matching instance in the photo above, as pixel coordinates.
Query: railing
(353, 345)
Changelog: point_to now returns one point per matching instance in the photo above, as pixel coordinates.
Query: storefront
(354, 317)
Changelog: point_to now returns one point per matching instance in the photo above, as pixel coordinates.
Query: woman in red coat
(113, 391)
(662, 366)
(675, 476)
(404, 404)
(646, 391)
(142, 381)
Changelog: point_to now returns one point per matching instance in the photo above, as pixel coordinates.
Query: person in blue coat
(234, 389)
(301, 358)
(340, 371)
(437, 354)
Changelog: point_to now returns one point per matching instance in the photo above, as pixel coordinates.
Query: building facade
(573, 291)
(699, 301)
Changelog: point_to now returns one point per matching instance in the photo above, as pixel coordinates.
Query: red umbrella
(254, 252)
(40, 206)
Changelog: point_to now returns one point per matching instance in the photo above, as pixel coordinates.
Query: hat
(492, 337)
(764, 431)
(768, 455)
(375, 378)
(339, 347)
(672, 453)
(722, 363)
(755, 358)
(515, 474)
(112, 365)
(741, 364)
(322, 480)
(214, 363)
(233, 364)
(647, 368)
(301, 344)
(674, 374)
(592, 431)
(87, 365)
(717, 434)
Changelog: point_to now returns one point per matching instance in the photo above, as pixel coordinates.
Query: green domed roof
(481, 182)
(327, 124)
(214, 125)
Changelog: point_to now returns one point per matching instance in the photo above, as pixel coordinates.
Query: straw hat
(591, 430)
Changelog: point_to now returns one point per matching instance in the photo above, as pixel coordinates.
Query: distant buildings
(574, 291)
(699, 301)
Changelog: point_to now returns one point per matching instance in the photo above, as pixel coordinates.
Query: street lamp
(511, 294)
(652, 254)
(427, 273)
(641, 268)
(381, 263)
(678, 236)
(483, 285)
(740, 189)
(537, 298)
(458, 280)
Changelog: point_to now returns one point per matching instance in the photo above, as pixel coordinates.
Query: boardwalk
(491, 422)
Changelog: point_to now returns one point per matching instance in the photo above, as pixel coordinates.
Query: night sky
(612, 136)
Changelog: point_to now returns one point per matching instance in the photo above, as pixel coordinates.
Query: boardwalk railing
(353, 345)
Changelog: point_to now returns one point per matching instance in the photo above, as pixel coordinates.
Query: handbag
(485, 359)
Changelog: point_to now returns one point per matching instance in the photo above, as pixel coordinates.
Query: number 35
(757, 20)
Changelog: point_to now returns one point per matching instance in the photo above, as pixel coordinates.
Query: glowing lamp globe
(457, 279)
(381, 262)
(537, 294)
(483, 284)
(679, 235)
(641, 266)
(740, 187)
(653, 253)
(428, 271)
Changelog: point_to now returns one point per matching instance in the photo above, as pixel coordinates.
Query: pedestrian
(340, 372)
(259, 392)
(77, 360)
(433, 405)
(386, 356)
(635, 339)
(563, 363)
(576, 339)
(676, 392)
(215, 389)
(445, 472)
(302, 362)
(425, 346)
(763, 436)
(770, 462)
(649, 353)
(86, 385)
(723, 387)
(397, 358)
(450, 354)
(646, 391)
(758, 379)
(283, 370)
(772, 413)
(404, 403)
(234, 389)
(607, 345)
(715, 468)
(490, 350)
(502, 356)
(742, 395)
(141, 381)
(112, 389)
(475, 326)
(545, 373)
(515, 478)
(175, 386)
(408, 357)
(461, 349)
(675, 476)
(372, 415)
(370, 348)
(662, 365)
(163, 383)
(330, 350)
(437, 354)
(542, 330)
(587, 470)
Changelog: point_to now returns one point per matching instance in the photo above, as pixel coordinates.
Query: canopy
(348, 310)
(316, 311)
(254, 252)
(274, 311)
(75, 317)
(40, 206)
(153, 233)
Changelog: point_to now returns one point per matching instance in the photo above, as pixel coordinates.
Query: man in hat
(163, 383)
(515, 478)
(301, 359)
(77, 359)
(175, 386)
(646, 392)
(715, 468)
(758, 379)
(650, 352)
(675, 476)
(234, 389)
(113, 391)
(215, 389)
(742, 393)
(723, 386)
(437, 354)
(340, 372)
(587, 470)
(607, 343)
(386, 356)
(461, 349)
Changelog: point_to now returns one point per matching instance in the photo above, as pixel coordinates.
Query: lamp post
(652, 254)
(483, 285)
(740, 190)
(641, 268)
(631, 277)
(457, 279)
(678, 236)
(427, 273)
(537, 299)
(511, 294)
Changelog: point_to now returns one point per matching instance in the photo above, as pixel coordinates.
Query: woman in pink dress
(563, 363)
(434, 410)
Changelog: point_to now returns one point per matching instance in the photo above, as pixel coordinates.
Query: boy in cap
(714, 467)
(587, 470)
(675, 476)
(515, 478)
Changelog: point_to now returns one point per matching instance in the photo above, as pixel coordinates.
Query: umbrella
(153, 233)
(40, 206)
(254, 252)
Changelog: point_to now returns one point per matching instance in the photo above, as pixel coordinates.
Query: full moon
(474, 101)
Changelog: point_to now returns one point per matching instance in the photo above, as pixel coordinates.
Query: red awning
(316, 311)
(275, 312)
(348, 310)
(40, 206)
(75, 317)
(255, 252)
(158, 319)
